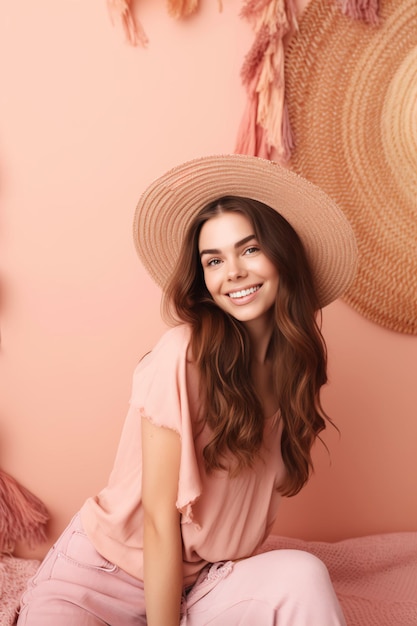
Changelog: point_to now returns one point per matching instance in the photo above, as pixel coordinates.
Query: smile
(243, 292)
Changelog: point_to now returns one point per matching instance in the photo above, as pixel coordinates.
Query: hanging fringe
(365, 10)
(184, 8)
(251, 138)
(287, 134)
(122, 10)
(22, 515)
(264, 129)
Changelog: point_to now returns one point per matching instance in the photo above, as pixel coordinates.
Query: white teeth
(244, 292)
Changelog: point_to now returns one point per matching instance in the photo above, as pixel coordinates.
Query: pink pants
(76, 585)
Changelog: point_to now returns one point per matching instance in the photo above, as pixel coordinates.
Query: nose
(235, 269)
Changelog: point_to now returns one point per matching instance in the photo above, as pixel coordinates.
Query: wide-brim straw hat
(166, 207)
(352, 95)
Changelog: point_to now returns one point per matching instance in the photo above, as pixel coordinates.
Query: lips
(241, 293)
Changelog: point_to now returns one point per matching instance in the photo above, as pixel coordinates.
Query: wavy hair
(221, 348)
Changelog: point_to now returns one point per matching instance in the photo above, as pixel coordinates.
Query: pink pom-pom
(22, 515)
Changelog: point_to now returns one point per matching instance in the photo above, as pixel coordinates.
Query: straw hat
(352, 98)
(167, 206)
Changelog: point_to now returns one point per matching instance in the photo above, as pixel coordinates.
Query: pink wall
(86, 122)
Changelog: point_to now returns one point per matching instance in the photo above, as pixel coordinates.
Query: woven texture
(14, 575)
(375, 577)
(352, 98)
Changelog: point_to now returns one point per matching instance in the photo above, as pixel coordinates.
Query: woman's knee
(303, 569)
(295, 571)
(291, 561)
(305, 563)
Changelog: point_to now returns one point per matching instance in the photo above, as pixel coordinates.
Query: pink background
(86, 123)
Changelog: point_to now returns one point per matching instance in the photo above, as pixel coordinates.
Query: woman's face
(240, 278)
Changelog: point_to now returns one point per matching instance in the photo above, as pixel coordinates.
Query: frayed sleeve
(160, 394)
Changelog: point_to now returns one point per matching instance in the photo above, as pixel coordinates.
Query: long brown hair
(221, 348)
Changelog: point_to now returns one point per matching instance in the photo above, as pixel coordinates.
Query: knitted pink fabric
(14, 574)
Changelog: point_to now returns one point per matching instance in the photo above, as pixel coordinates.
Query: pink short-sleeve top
(223, 517)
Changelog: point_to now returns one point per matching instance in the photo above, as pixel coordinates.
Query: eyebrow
(238, 244)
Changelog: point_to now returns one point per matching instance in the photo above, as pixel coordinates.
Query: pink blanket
(375, 577)
(14, 574)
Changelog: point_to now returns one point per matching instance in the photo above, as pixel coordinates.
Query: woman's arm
(163, 572)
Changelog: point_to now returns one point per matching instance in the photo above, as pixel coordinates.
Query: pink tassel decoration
(22, 515)
(185, 8)
(287, 134)
(365, 10)
(251, 138)
(182, 8)
(122, 10)
(264, 130)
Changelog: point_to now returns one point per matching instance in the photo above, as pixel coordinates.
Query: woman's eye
(251, 250)
(213, 262)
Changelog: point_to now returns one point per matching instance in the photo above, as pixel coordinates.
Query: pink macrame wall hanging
(264, 129)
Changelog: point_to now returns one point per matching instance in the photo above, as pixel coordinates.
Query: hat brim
(168, 205)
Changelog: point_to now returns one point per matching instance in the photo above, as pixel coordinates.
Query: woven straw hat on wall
(352, 98)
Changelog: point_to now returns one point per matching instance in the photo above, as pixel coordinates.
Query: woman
(223, 413)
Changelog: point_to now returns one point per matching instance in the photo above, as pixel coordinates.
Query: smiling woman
(224, 412)
(247, 260)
